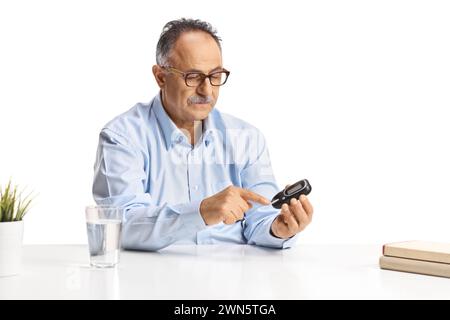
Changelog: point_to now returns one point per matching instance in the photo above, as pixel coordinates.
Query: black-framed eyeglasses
(195, 78)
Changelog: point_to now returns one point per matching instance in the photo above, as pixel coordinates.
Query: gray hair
(173, 30)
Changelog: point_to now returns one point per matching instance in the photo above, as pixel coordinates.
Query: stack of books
(422, 257)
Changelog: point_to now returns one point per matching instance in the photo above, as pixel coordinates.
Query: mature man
(185, 172)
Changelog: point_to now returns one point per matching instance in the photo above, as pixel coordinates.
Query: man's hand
(229, 205)
(293, 218)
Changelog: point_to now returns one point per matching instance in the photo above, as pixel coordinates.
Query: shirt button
(195, 187)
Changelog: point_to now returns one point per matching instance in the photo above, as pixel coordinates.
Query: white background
(353, 95)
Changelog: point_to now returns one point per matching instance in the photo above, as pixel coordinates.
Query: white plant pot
(11, 236)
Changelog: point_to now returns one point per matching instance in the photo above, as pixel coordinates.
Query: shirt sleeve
(119, 178)
(257, 176)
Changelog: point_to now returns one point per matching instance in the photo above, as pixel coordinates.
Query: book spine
(415, 266)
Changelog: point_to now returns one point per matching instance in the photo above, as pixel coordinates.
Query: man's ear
(160, 76)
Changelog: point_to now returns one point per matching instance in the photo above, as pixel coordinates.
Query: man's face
(193, 51)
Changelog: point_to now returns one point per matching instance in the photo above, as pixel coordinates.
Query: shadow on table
(215, 251)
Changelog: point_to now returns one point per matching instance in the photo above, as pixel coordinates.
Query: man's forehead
(196, 51)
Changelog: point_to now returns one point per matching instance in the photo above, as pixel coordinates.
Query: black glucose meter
(291, 191)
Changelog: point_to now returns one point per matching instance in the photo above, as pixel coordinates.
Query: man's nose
(205, 88)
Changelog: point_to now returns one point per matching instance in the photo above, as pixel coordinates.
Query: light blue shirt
(148, 166)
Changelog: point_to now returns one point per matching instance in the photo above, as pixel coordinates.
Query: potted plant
(13, 208)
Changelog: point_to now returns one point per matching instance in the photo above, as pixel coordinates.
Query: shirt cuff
(277, 242)
(190, 215)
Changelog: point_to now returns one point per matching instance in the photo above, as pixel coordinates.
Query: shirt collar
(172, 134)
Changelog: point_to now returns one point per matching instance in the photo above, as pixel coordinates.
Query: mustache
(199, 99)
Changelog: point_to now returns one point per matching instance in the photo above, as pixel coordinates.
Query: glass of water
(104, 227)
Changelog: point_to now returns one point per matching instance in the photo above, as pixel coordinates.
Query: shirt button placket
(193, 177)
(190, 176)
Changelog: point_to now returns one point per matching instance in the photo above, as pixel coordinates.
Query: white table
(218, 272)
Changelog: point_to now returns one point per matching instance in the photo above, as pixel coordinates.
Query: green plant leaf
(13, 206)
